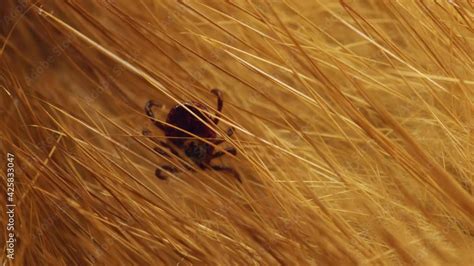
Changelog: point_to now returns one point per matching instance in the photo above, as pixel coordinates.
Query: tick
(182, 129)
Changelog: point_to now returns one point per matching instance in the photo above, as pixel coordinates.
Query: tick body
(186, 127)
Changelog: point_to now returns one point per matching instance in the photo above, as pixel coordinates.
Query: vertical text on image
(10, 207)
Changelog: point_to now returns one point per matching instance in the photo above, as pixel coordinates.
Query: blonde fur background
(353, 127)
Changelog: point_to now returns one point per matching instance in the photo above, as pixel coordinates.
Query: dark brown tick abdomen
(182, 118)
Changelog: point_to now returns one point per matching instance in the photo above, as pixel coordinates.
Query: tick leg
(229, 132)
(147, 133)
(230, 150)
(182, 161)
(167, 168)
(228, 170)
(159, 150)
(175, 153)
(148, 110)
(220, 104)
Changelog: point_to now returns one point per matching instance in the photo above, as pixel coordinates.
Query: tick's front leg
(220, 104)
(149, 111)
